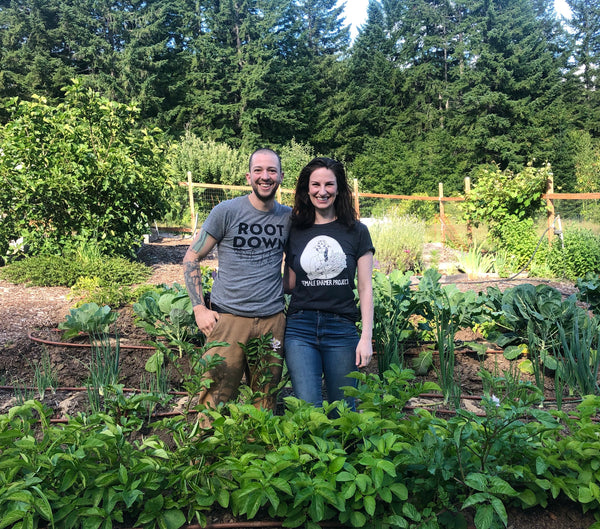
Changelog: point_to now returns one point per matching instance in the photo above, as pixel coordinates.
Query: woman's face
(322, 189)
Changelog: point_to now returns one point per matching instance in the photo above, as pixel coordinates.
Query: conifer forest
(427, 91)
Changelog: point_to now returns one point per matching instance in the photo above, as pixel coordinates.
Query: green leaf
(411, 512)
(400, 491)
(528, 497)
(369, 504)
(358, 519)
(173, 519)
(477, 481)
(155, 362)
(336, 464)
(484, 516)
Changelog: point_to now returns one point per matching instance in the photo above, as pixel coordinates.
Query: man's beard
(264, 198)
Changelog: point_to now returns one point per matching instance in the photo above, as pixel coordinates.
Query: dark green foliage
(426, 92)
(580, 256)
(589, 291)
(53, 270)
(381, 467)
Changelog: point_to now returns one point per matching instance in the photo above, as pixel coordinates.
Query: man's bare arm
(193, 282)
(198, 250)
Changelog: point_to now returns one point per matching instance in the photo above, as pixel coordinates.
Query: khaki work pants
(227, 376)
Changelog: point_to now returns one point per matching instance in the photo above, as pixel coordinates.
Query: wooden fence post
(442, 216)
(550, 208)
(191, 195)
(469, 225)
(356, 200)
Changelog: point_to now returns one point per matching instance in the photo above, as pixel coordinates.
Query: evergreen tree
(585, 29)
(512, 79)
(366, 105)
(32, 49)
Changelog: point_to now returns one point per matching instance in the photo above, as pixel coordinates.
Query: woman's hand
(364, 352)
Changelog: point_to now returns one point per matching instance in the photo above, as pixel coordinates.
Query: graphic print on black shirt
(323, 259)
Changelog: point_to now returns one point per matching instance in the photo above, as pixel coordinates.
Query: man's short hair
(265, 150)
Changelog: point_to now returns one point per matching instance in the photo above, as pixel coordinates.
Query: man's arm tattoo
(199, 242)
(193, 282)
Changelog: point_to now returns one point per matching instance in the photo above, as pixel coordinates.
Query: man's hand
(205, 318)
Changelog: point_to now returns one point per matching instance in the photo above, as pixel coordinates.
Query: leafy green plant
(531, 315)
(393, 305)
(89, 318)
(446, 310)
(499, 196)
(167, 312)
(580, 255)
(503, 263)
(94, 290)
(262, 357)
(588, 291)
(383, 465)
(521, 245)
(474, 262)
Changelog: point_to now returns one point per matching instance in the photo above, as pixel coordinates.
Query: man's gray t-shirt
(250, 249)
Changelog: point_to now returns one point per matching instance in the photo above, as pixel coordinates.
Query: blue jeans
(320, 343)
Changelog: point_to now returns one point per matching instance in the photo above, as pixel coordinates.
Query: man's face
(265, 175)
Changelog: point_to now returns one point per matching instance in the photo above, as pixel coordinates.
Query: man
(247, 295)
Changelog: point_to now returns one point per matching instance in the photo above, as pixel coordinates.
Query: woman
(326, 248)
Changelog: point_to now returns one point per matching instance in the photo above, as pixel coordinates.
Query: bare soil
(29, 317)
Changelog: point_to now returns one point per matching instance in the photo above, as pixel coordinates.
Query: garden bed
(38, 311)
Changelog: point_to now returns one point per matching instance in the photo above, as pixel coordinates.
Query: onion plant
(44, 375)
(103, 367)
(578, 355)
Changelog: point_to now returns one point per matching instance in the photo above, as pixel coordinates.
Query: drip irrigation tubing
(151, 348)
(84, 345)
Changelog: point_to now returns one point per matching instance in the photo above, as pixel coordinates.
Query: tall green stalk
(103, 366)
(579, 357)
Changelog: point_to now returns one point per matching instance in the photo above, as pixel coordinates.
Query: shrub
(43, 271)
(518, 240)
(93, 290)
(580, 256)
(398, 242)
(79, 171)
(501, 196)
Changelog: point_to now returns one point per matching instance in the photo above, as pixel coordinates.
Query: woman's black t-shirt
(324, 258)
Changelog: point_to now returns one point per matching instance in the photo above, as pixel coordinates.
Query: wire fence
(445, 212)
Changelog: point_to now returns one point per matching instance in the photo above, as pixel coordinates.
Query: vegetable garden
(130, 447)
(419, 453)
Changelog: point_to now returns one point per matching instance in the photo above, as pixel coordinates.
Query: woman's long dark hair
(303, 214)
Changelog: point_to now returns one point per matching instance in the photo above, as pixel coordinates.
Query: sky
(356, 12)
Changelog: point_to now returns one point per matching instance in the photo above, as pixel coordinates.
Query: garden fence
(448, 217)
